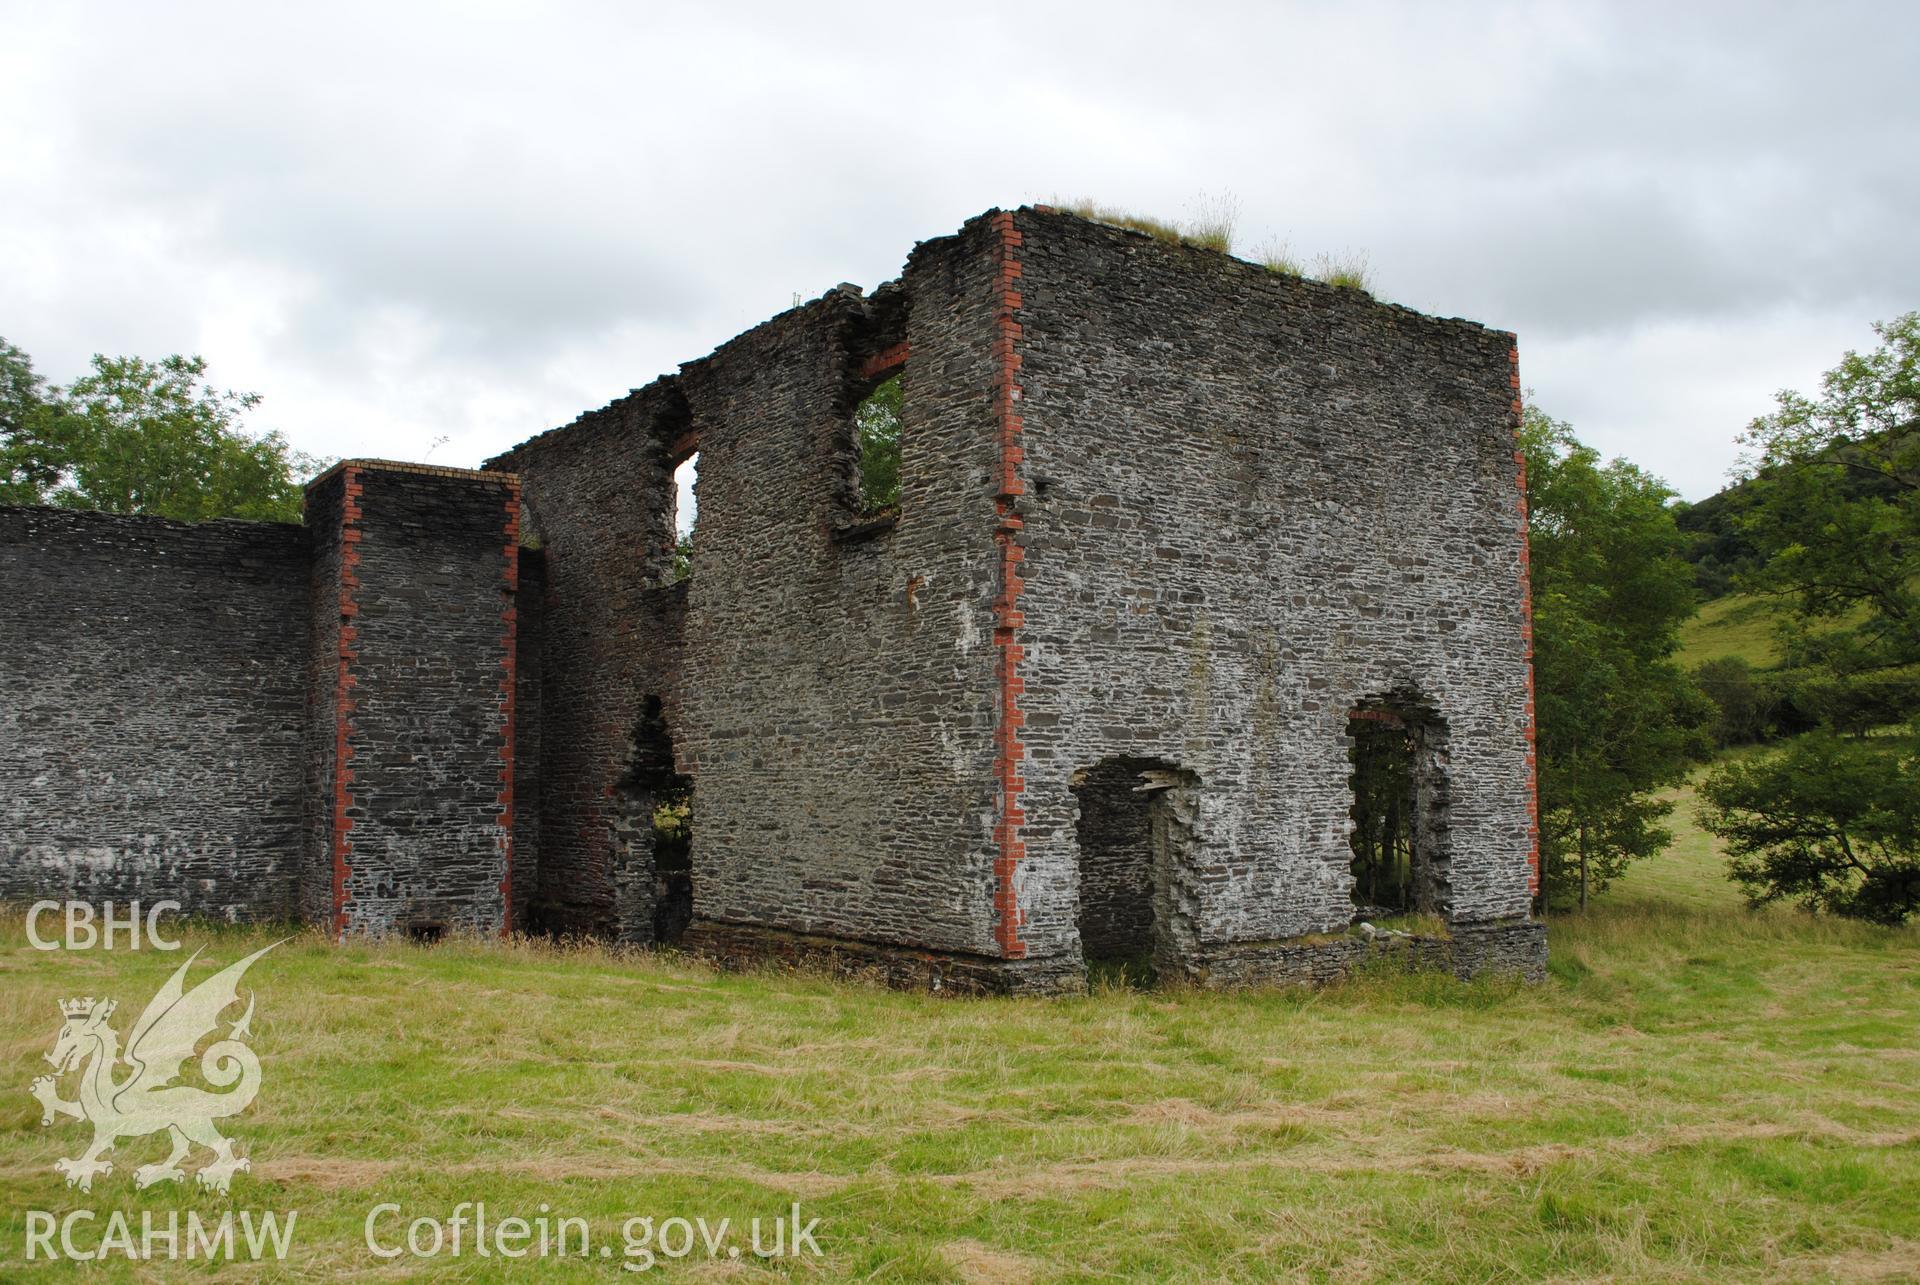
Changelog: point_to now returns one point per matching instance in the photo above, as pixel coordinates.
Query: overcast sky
(432, 231)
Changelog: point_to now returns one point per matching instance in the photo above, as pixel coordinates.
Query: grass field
(1698, 1092)
(1735, 625)
(1739, 624)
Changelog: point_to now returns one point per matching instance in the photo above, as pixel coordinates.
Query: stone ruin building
(1186, 554)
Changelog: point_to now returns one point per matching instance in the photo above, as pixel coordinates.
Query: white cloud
(403, 224)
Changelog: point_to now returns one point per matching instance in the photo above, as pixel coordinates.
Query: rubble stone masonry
(1168, 522)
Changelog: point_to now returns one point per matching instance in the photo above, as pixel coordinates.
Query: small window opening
(1399, 800)
(876, 433)
(686, 512)
(425, 932)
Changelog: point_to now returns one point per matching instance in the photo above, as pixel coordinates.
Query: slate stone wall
(528, 736)
(1159, 508)
(826, 680)
(153, 679)
(424, 701)
(840, 695)
(1256, 503)
(322, 854)
(598, 502)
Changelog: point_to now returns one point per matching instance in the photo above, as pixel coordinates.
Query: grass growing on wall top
(1214, 228)
(1698, 1092)
(1211, 229)
(1349, 271)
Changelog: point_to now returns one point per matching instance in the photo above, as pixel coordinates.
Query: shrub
(1857, 703)
(1830, 822)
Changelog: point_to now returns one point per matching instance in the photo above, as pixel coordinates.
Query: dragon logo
(147, 1100)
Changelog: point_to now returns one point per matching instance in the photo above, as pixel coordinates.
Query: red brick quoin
(1010, 749)
(509, 674)
(1526, 635)
(348, 653)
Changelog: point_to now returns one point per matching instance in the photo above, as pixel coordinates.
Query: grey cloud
(542, 209)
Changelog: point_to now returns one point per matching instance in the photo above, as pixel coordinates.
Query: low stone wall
(947, 972)
(1471, 950)
(1512, 947)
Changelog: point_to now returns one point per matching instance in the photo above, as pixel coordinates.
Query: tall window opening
(686, 513)
(876, 435)
(1398, 754)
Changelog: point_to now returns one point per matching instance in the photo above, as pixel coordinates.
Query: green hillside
(1738, 624)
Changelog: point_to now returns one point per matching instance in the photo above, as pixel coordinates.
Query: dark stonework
(838, 696)
(949, 972)
(528, 733)
(325, 516)
(598, 501)
(428, 597)
(261, 721)
(1168, 522)
(152, 712)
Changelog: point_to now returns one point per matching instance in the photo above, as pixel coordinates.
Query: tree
(1618, 720)
(1836, 508)
(25, 473)
(135, 436)
(1744, 703)
(1831, 822)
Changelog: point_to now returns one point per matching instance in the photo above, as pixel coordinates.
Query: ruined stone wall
(1252, 503)
(422, 699)
(1116, 875)
(530, 609)
(329, 587)
(598, 503)
(153, 705)
(1158, 507)
(841, 698)
(827, 679)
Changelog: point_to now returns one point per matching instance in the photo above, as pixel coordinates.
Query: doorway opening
(1399, 838)
(1135, 842)
(652, 819)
